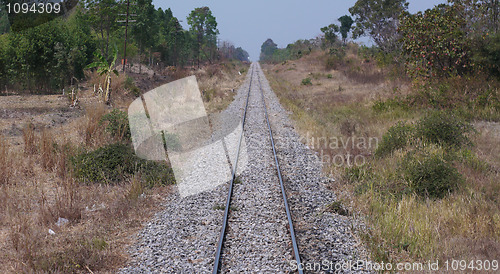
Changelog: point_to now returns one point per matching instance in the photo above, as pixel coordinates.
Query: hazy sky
(249, 23)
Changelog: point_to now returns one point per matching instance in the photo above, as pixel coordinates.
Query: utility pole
(125, 42)
(126, 32)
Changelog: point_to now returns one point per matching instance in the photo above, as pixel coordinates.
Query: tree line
(450, 39)
(47, 56)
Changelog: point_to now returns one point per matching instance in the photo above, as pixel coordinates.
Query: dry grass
(29, 138)
(120, 94)
(462, 225)
(91, 130)
(5, 162)
(218, 84)
(37, 189)
(100, 218)
(47, 150)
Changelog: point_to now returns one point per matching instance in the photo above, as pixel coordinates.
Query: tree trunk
(107, 43)
(107, 94)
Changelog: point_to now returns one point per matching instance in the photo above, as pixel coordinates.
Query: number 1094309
(18, 8)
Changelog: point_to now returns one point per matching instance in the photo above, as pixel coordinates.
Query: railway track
(246, 225)
(256, 87)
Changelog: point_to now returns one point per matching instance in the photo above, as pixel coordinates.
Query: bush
(442, 128)
(130, 85)
(430, 174)
(113, 163)
(155, 173)
(104, 165)
(333, 62)
(117, 124)
(487, 54)
(397, 137)
(306, 81)
(335, 58)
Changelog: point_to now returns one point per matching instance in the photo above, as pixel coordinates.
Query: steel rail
(230, 191)
(287, 209)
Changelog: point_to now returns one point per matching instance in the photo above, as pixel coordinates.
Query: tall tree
(204, 28)
(267, 50)
(103, 15)
(380, 20)
(345, 26)
(4, 19)
(330, 33)
(241, 54)
(481, 15)
(146, 28)
(435, 42)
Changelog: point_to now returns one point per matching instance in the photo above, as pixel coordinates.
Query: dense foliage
(204, 29)
(46, 57)
(379, 19)
(345, 26)
(435, 42)
(113, 163)
(452, 39)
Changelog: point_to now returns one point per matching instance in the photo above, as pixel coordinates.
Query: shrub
(112, 163)
(430, 174)
(397, 137)
(155, 173)
(440, 127)
(130, 85)
(306, 81)
(335, 58)
(329, 76)
(106, 164)
(434, 42)
(487, 54)
(333, 62)
(117, 124)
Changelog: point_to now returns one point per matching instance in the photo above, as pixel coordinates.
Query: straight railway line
(255, 79)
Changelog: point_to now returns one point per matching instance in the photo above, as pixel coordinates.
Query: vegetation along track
(183, 238)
